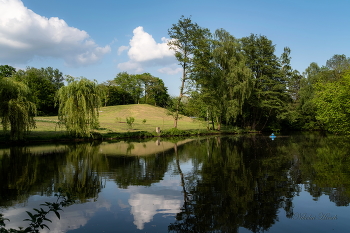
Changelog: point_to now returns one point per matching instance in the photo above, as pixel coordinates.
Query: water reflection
(216, 184)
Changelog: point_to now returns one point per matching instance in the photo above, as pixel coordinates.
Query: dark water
(296, 183)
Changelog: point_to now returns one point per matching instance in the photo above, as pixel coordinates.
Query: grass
(113, 118)
(113, 122)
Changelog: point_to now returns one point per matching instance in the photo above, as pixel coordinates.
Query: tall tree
(229, 81)
(43, 91)
(115, 95)
(43, 84)
(305, 106)
(6, 71)
(130, 83)
(338, 64)
(17, 111)
(54, 75)
(269, 94)
(333, 106)
(79, 104)
(154, 90)
(185, 38)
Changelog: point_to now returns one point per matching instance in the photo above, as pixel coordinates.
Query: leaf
(46, 219)
(37, 210)
(58, 215)
(31, 216)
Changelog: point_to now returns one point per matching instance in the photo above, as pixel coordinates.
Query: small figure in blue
(272, 136)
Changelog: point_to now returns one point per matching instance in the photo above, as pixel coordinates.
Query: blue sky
(98, 39)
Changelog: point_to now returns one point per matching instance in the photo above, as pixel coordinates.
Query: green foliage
(144, 121)
(174, 108)
(130, 121)
(43, 84)
(114, 95)
(17, 111)
(195, 106)
(229, 83)
(186, 40)
(38, 218)
(177, 132)
(337, 65)
(6, 71)
(131, 134)
(269, 97)
(117, 96)
(154, 90)
(79, 104)
(130, 89)
(129, 83)
(316, 88)
(333, 106)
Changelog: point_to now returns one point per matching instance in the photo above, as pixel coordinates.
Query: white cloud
(145, 51)
(25, 34)
(145, 206)
(170, 70)
(122, 48)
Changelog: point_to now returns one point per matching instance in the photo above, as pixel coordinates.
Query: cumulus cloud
(145, 51)
(170, 70)
(25, 34)
(122, 48)
(145, 206)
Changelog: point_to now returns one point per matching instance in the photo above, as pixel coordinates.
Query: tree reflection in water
(232, 182)
(243, 182)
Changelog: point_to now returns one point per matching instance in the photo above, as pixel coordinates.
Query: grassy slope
(113, 119)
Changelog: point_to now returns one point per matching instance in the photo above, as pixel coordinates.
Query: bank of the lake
(113, 126)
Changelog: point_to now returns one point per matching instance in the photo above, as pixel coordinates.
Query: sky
(99, 39)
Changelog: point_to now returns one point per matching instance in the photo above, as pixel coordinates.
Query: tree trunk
(181, 94)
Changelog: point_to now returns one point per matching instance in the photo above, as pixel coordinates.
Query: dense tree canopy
(43, 84)
(242, 82)
(332, 104)
(228, 83)
(136, 88)
(6, 71)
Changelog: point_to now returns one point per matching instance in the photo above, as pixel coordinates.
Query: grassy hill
(113, 119)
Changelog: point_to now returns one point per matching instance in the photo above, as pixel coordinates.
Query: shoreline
(123, 135)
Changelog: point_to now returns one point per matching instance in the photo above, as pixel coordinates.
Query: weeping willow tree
(16, 110)
(79, 104)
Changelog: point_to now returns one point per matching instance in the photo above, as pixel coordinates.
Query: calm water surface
(295, 183)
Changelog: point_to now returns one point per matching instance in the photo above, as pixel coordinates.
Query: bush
(130, 121)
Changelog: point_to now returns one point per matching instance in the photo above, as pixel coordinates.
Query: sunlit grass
(113, 120)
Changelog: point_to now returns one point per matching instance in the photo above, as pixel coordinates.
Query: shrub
(130, 121)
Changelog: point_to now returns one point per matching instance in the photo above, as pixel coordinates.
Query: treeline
(125, 88)
(42, 85)
(27, 93)
(135, 89)
(243, 83)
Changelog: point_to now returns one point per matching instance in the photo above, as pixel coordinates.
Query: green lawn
(113, 119)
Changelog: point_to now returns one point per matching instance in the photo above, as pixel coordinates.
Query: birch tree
(185, 38)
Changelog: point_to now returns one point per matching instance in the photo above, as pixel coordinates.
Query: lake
(250, 183)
